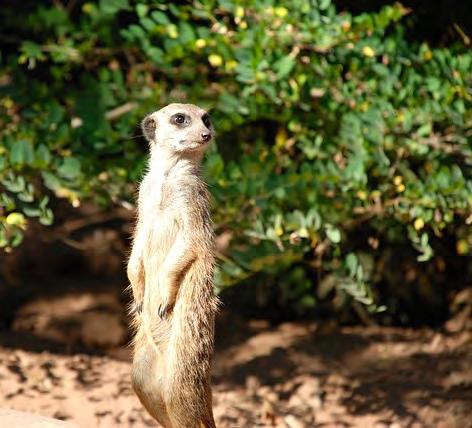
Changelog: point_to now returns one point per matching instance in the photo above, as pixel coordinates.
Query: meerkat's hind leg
(148, 385)
(188, 410)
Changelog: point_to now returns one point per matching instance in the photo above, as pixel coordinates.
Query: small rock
(252, 385)
(15, 419)
(293, 422)
(268, 415)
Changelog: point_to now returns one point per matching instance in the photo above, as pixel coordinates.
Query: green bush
(337, 137)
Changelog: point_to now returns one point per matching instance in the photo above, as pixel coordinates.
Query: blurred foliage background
(341, 176)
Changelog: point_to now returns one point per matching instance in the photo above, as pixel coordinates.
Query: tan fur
(171, 274)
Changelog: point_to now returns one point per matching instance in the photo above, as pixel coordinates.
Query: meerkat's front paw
(165, 297)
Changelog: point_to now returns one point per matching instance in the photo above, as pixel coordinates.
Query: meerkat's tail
(190, 350)
(208, 424)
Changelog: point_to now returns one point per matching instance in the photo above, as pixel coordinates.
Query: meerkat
(170, 270)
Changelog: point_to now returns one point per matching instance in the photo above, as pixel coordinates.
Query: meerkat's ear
(148, 125)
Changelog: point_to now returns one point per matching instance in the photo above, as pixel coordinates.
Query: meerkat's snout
(206, 137)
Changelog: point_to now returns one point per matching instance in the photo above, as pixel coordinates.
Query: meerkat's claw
(136, 308)
(163, 310)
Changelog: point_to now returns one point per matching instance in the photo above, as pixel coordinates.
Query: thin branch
(77, 122)
(63, 232)
(439, 143)
(120, 111)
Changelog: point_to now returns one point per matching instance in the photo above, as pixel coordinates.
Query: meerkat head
(179, 127)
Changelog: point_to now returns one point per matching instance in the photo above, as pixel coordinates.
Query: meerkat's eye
(206, 120)
(179, 119)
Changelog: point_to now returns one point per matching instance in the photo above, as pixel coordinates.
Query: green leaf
(43, 156)
(214, 165)
(333, 234)
(156, 54)
(7, 202)
(70, 168)
(142, 9)
(44, 202)
(17, 238)
(308, 300)
(324, 4)
(14, 184)
(50, 180)
(113, 6)
(32, 211)
(3, 238)
(284, 66)
(137, 31)
(21, 153)
(186, 32)
(351, 264)
(32, 50)
(46, 217)
(148, 24)
(17, 154)
(160, 17)
(27, 195)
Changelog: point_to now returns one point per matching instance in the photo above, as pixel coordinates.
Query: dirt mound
(293, 375)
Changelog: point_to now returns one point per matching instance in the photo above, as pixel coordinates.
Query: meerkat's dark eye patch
(206, 120)
(180, 119)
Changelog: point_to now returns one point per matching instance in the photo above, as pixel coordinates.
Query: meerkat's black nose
(206, 137)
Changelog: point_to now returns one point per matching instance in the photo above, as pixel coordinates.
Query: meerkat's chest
(160, 205)
(151, 193)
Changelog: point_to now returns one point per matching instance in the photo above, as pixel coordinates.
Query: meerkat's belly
(162, 233)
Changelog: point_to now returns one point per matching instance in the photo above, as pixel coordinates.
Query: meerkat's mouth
(192, 142)
(201, 142)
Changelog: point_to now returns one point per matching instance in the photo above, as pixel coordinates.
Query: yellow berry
(88, 8)
(172, 31)
(418, 224)
(462, 247)
(427, 55)
(281, 12)
(303, 232)
(16, 219)
(231, 64)
(368, 51)
(200, 43)
(215, 60)
(239, 12)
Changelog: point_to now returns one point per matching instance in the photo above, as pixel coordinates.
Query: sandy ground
(66, 358)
